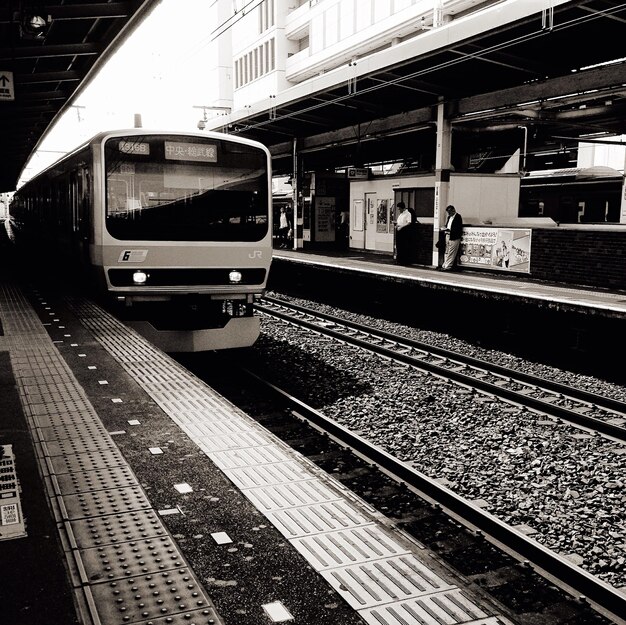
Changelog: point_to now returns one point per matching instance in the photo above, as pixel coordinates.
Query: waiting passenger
(453, 231)
(283, 229)
(403, 235)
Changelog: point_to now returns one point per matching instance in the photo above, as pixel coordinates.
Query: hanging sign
(7, 86)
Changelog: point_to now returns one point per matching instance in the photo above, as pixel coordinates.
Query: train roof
(574, 173)
(205, 134)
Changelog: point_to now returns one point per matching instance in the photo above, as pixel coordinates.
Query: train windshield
(178, 188)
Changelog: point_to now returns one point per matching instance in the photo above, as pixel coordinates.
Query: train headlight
(140, 277)
(235, 277)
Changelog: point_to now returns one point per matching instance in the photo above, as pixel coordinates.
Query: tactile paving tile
(199, 408)
(451, 608)
(67, 418)
(84, 430)
(30, 378)
(238, 440)
(193, 617)
(98, 479)
(116, 528)
(208, 428)
(146, 598)
(97, 503)
(382, 581)
(315, 519)
(43, 393)
(199, 412)
(345, 547)
(170, 398)
(52, 371)
(56, 406)
(137, 557)
(87, 461)
(290, 495)
(265, 454)
(173, 387)
(196, 414)
(78, 444)
(269, 474)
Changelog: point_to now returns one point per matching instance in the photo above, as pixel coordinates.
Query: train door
(79, 196)
(84, 210)
(370, 221)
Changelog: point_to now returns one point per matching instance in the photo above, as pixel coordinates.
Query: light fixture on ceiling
(34, 25)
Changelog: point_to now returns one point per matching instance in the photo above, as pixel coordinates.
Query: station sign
(7, 86)
(358, 173)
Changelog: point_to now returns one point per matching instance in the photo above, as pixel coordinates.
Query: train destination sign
(134, 147)
(184, 151)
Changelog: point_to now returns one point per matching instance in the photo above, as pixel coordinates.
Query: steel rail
(605, 402)
(559, 412)
(573, 578)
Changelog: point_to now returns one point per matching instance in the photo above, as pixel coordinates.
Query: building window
(266, 15)
(255, 63)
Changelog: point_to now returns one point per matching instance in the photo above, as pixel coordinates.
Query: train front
(185, 236)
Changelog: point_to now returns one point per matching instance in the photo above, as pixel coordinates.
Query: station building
(279, 63)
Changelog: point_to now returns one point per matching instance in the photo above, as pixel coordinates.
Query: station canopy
(48, 53)
(549, 79)
(544, 82)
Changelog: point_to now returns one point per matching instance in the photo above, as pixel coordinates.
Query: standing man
(402, 235)
(283, 228)
(453, 230)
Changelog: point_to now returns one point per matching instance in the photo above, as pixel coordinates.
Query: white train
(175, 227)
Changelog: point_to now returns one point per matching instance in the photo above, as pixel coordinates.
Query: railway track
(594, 413)
(591, 599)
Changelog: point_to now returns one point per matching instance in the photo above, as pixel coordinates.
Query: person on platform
(283, 228)
(453, 231)
(403, 237)
(344, 229)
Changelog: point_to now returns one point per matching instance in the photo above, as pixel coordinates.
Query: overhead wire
(240, 14)
(445, 64)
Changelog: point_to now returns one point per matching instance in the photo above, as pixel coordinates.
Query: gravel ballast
(567, 486)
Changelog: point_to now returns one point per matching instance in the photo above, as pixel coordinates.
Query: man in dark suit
(453, 230)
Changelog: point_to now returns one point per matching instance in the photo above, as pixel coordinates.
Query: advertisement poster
(382, 219)
(324, 218)
(503, 249)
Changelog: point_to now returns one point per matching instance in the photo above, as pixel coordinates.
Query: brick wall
(583, 257)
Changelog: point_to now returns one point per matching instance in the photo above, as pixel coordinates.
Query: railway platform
(148, 498)
(494, 286)
(563, 325)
